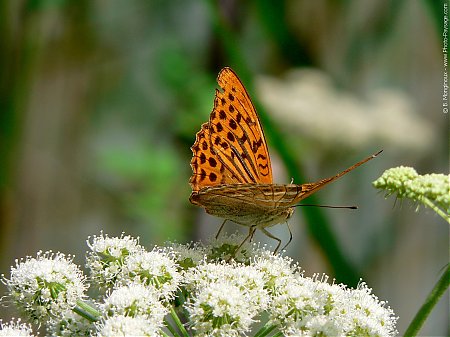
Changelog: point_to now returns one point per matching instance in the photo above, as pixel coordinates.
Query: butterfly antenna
(314, 187)
(327, 206)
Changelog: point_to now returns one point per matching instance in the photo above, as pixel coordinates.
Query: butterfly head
(288, 213)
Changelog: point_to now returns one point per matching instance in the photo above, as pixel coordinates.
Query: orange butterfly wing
(230, 148)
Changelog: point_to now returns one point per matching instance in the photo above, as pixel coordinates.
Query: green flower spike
(431, 190)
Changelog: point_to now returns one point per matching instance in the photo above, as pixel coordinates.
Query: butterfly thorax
(260, 205)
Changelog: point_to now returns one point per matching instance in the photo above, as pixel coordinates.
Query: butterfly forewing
(230, 148)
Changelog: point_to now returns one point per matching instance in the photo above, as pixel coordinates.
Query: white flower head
(188, 255)
(319, 325)
(226, 248)
(225, 298)
(294, 303)
(275, 268)
(45, 286)
(367, 315)
(15, 328)
(135, 300)
(107, 255)
(220, 309)
(156, 269)
(70, 324)
(313, 307)
(127, 326)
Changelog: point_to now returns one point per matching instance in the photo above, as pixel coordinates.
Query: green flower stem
(87, 311)
(265, 330)
(430, 204)
(170, 328)
(164, 334)
(178, 322)
(438, 290)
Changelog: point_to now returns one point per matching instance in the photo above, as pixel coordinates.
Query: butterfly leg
(251, 232)
(290, 236)
(220, 229)
(272, 237)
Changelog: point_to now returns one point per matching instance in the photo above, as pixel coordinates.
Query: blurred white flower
(45, 286)
(15, 329)
(306, 102)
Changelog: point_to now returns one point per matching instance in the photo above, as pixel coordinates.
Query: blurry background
(101, 100)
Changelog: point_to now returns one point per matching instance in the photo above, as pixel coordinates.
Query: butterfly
(232, 174)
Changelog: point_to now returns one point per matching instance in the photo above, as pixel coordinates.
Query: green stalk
(177, 321)
(87, 311)
(265, 330)
(278, 334)
(430, 204)
(164, 334)
(170, 328)
(434, 296)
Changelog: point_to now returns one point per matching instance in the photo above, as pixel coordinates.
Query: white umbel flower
(107, 255)
(188, 255)
(135, 300)
(70, 324)
(367, 315)
(221, 309)
(311, 307)
(45, 286)
(224, 248)
(156, 269)
(15, 329)
(226, 298)
(127, 326)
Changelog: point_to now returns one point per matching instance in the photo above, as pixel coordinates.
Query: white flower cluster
(224, 298)
(107, 255)
(309, 307)
(144, 293)
(44, 286)
(14, 328)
